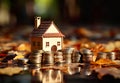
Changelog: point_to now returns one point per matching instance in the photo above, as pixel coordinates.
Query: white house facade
(48, 43)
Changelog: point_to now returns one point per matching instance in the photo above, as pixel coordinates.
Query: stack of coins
(101, 55)
(87, 55)
(36, 56)
(48, 58)
(58, 57)
(111, 56)
(68, 52)
(76, 57)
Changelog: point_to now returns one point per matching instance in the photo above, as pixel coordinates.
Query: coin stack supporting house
(58, 57)
(48, 58)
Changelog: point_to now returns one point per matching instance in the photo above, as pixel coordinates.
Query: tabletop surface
(53, 74)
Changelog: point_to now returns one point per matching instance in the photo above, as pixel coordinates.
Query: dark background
(99, 16)
(85, 12)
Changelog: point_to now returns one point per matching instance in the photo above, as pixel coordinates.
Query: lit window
(47, 43)
(58, 43)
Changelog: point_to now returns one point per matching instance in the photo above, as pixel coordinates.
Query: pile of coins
(111, 56)
(106, 55)
(76, 57)
(101, 55)
(36, 56)
(58, 57)
(87, 55)
(48, 58)
(68, 52)
(68, 55)
(71, 55)
(87, 58)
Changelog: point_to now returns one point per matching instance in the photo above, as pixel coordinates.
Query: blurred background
(88, 18)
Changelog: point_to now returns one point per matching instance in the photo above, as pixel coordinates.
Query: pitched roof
(40, 31)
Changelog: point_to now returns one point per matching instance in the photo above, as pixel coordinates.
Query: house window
(58, 43)
(47, 43)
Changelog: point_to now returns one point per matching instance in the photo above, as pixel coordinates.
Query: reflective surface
(65, 73)
(46, 76)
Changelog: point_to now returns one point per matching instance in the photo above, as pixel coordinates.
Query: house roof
(44, 26)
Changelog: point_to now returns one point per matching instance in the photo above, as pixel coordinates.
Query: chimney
(37, 22)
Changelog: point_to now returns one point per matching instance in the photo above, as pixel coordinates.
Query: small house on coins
(46, 36)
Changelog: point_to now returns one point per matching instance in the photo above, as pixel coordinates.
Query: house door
(54, 48)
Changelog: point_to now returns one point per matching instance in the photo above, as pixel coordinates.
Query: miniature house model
(46, 36)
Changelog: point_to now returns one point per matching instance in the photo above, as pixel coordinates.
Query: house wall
(36, 43)
(52, 41)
